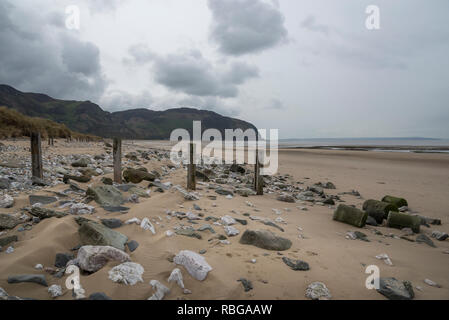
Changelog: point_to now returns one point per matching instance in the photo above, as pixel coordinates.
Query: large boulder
(95, 234)
(194, 263)
(93, 258)
(398, 202)
(8, 222)
(379, 210)
(402, 220)
(350, 215)
(107, 196)
(266, 240)
(137, 176)
(81, 163)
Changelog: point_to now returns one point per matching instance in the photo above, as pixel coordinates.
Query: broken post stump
(36, 155)
(117, 154)
(191, 172)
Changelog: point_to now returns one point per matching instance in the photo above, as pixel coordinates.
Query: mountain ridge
(89, 118)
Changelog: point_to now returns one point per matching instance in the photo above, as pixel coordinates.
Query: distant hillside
(13, 124)
(87, 117)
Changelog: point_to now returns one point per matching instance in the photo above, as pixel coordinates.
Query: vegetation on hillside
(13, 124)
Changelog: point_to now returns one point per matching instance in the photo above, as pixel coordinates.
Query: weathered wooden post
(36, 155)
(117, 154)
(258, 179)
(191, 172)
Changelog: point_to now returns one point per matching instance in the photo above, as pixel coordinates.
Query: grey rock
(286, 198)
(266, 240)
(394, 289)
(297, 265)
(6, 201)
(8, 240)
(99, 296)
(422, 238)
(39, 182)
(224, 192)
(188, 232)
(42, 200)
(132, 245)
(43, 213)
(107, 196)
(61, 259)
(318, 291)
(7, 221)
(116, 209)
(95, 234)
(112, 223)
(34, 278)
(93, 258)
(195, 264)
(5, 184)
(440, 236)
(247, 285)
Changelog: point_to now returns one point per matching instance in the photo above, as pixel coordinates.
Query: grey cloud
(311, 24)
(276, 104)
(246, 26)
(41, 57)
(192, 74)
(116, 100)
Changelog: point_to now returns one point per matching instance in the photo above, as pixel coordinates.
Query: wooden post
(258, 179)
(117, 154)
(36, 155)
(191, 172)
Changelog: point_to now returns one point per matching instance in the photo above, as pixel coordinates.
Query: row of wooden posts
(37, 170)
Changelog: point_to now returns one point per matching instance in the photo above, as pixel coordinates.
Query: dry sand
(423, 179)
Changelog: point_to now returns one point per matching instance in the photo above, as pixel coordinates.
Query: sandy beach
(340, 263)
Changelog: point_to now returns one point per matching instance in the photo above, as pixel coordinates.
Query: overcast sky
(309, 68)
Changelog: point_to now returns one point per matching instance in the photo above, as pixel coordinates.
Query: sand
(423, 179)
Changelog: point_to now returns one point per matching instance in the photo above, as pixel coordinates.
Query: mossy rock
(137, 176)
(95, 234)
(379, 210)
(399, 220)
(398, 202)
(350, 215)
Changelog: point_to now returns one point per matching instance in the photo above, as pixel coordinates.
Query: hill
(89, 118)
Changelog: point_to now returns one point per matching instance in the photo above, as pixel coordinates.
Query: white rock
(194, 263)
(55, 291)
(147, 225)
(192, 216)
(9, 250)
(318, 291)
(176, 276)
(385, 258)
(225, 242)
(6, 201)
(37, 205)
(229, 197)
(133, 220)
(161, 290)
(432, 283)
(231, 231)
(38, 266)
(81, 208)
(3, 294)
(169, 233)
(228, 221)
(128, 273)
(277, 211)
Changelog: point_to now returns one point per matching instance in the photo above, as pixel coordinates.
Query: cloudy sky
(309, 68)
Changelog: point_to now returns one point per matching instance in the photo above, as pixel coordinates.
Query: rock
(93, 258)
(80, 179)
(378, 210)
(39, 267)
(350, 215)
(205, 227)
(43, 213)
(35, 181)
(398, 202)
(116, 209)
(188, 232)
(286, 198)
(147, 225)
(440, 236)
(224, 192)
(247, 285)
(6, 201)
(7, 240)
(176, 276)
(137, 176)
(297, 265)
(356, 235)
(128, 273)
(245, 192)
(133, 220)
(5, 184)
(432, 221)
(370, 221)
(266, 240)
(42, 200)
(237, 169)
(99, 296)
(327, 185)
(394, 289)
(422, 238)
(231, 231)
(242, 222)
(107, 196)
(187, 195)
(33, 278)
(432, 283)
(402, 220)
(161, 290)
(76, 188)
(81, 208)
(318, 291)
(108, 182)
(140, 192)
(228, 221)
(329, 201)
(9, 250)
(385, 258)
(55, 291)
(7, 221)
(112, 223)
(81, 163)
(62, 259)
(132, 245)
(95, 234)
(194, 263)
